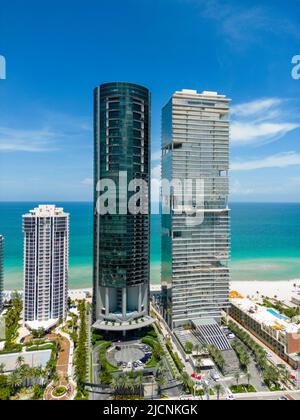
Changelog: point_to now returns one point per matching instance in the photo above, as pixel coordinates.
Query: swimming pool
(284, 318)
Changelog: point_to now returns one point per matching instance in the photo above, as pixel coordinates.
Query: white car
(215, 376)
(231, 336)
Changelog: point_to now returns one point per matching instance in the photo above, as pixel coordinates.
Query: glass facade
(121, 241)
(195, 145)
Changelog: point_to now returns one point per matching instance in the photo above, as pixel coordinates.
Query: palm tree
(219, 390)
(197, 349)
(161, 381)
(26, 373)
(20, 361)
(55, 378)
(160, 369)
(115, 386)
(245, 360)
(237, 377)
(198, 365)
(131, 385)
(186, 381)
(15, 380)
(128, 384)
(39, 374)
(139, 382)
(249, 377)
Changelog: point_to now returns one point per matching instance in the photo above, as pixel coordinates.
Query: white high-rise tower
(195, 146)
(46, 255)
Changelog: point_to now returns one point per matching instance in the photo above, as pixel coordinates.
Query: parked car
(215, 376)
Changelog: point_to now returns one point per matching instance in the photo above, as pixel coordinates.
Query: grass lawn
(103, 359)
(242, 389)
(275, 388)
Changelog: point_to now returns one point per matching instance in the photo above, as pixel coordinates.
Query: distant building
(121, 240)
(1, 273)
(195, 146)
(296, 299)
(46, 255)
(273, 329)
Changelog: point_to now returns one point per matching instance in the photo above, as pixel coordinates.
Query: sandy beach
(282, 289)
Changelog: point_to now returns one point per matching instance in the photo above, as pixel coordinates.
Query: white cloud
(255, 107)
(156, 172)
(250, 133)
(57, 130)
(260, 121)
(18, 140)
(156, 155)
(280, 160)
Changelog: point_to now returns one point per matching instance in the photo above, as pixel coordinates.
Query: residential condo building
(121, 239)
(46, 260)
(275, 330)
(195, 146)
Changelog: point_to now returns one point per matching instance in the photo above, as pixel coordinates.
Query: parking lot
(133, 355)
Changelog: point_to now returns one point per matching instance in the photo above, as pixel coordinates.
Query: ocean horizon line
(91, 201)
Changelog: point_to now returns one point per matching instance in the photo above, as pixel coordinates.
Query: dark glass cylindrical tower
(121, 239)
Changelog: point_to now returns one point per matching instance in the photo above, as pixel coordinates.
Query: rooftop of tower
(205, 94)
(46, 210)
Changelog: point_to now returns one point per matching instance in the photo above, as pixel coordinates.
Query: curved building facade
(121, 239)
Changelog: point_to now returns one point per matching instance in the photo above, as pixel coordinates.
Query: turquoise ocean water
(265, 242)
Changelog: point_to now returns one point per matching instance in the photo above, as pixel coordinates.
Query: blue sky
(58, 51)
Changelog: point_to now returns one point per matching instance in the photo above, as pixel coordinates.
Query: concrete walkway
(166, 332)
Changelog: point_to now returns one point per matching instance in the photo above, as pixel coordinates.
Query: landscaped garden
(12, 320)
(241, 389)
(81, 354)
(272, 376)
(59, 391)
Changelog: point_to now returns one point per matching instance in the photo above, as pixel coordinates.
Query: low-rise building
(296, 299)
(273, 329)
(33, 359)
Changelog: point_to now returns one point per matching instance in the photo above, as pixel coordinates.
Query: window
(177, 234)
(137, 116)
(137, 107)
(114, 105)
(114, 114)
(136, 133)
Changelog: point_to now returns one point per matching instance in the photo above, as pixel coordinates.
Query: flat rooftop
(265, 316)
